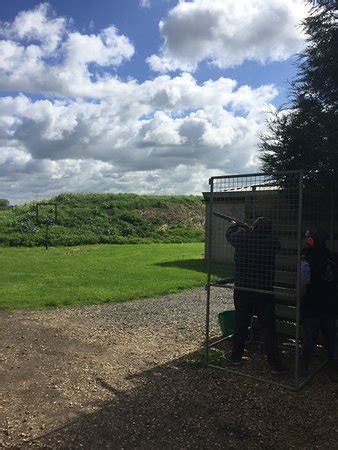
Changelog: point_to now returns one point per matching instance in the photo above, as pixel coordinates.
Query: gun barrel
(230, 219)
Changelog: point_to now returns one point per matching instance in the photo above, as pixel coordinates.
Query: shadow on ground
(183, 405)
(200, 265)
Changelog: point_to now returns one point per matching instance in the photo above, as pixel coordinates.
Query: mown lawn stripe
(34, 277)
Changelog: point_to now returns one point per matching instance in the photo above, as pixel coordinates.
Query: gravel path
(125, 376)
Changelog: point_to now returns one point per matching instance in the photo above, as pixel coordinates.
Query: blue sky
(143, 96)
(141, 25)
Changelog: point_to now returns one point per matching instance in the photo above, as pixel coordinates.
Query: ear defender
(310, 241)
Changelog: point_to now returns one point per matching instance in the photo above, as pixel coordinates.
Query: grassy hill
(105, 218)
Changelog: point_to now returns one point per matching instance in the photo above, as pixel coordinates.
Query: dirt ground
(127, 376)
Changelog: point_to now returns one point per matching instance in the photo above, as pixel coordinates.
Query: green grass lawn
(34, 277)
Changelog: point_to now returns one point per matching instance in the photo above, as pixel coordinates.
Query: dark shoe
(235, 360)
(279, 369)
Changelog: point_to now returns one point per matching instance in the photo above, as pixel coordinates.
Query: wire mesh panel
(269, 254)
(253, 228)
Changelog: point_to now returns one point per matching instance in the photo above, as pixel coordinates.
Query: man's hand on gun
(242, 225)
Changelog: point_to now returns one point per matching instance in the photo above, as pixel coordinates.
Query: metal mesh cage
(267, 253)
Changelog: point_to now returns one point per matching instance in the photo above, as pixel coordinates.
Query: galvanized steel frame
(298, 382)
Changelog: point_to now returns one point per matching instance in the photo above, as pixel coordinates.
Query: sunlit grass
(34, 277)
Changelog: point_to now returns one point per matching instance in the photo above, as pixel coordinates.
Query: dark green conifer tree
(304, 135)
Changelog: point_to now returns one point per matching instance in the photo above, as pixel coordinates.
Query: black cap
(318, 235)
(262, 225)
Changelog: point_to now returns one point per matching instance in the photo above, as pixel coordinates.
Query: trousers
(263, 305)
(324, 323)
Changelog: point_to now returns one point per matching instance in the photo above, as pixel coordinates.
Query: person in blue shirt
(319, 296)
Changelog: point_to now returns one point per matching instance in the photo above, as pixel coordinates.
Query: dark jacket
(255, 254)
(321, 295)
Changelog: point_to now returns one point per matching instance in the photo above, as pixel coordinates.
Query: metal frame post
(332, 221)
(47, 223)
(46, 236)
(299, 238)
(208, 287)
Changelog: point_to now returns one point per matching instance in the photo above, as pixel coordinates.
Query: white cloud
(105, 49)
(61, 141)
(41, 54)
(99, 133)
(37, 24)
(145, 3)
(139, 116)
(226, 33)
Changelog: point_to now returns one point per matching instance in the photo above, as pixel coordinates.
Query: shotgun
(232, 219)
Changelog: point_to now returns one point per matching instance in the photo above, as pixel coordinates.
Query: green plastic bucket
(227, 322)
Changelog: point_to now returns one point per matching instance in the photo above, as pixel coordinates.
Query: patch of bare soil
(125, 376)
(192, 215)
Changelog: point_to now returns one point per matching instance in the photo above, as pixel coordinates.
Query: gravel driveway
(125, 376)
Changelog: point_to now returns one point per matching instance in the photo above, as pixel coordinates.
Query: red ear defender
(310, 241)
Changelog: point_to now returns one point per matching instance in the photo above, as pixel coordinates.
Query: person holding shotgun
(256, 248)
